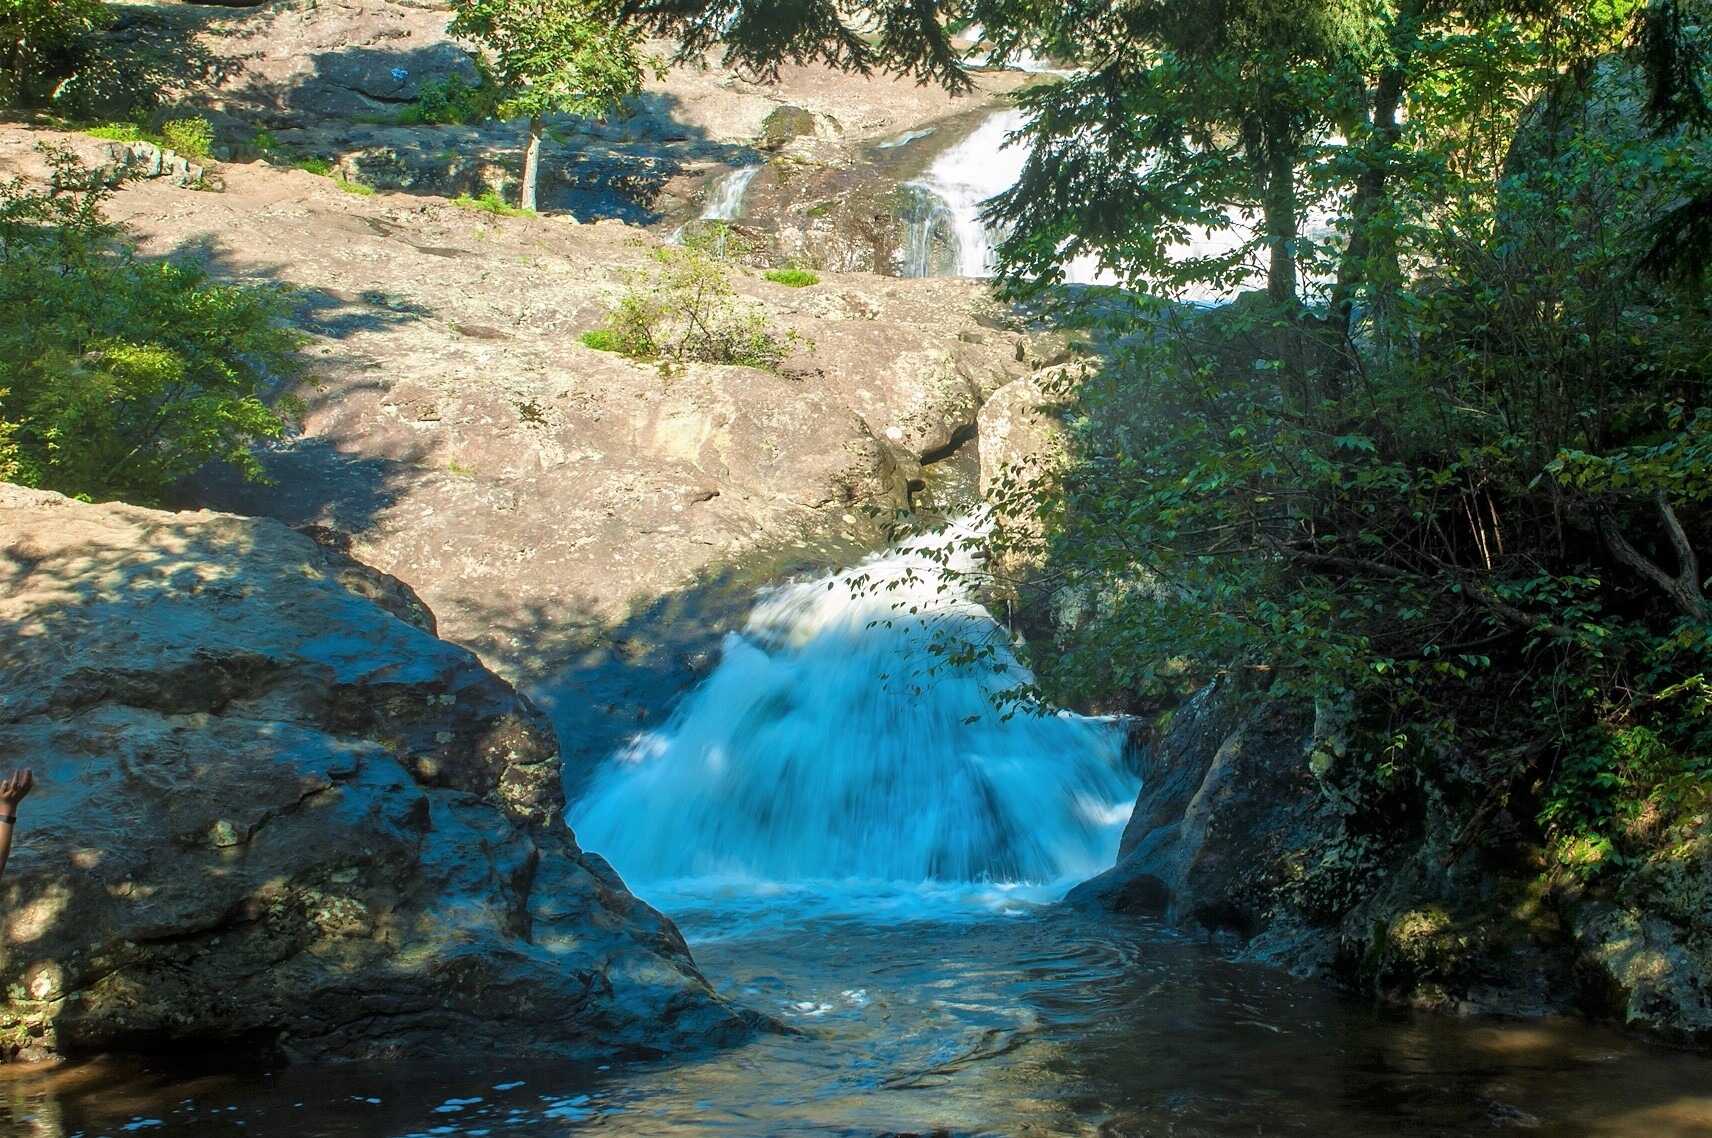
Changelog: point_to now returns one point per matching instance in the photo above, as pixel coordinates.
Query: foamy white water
(950, 195)
(832, 752)
(725, 201)
(945, 236)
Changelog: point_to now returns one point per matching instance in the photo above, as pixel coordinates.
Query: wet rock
(275, 817)
(1648, 972)
(1250, 825)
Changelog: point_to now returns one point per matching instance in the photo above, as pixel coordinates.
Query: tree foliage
(38, 41)
(1449, 468)
(552, 56)
(120, 375)
(564, 56)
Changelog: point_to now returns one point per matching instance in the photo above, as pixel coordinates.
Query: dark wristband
(9, 819)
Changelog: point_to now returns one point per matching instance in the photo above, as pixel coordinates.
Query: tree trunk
(1684, 588)
(531, 163)
(1280, 210)
(1372, 255)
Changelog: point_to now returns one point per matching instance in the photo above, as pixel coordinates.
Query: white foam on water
(834, 760)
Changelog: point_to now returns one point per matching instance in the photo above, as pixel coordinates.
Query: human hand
(15, 786)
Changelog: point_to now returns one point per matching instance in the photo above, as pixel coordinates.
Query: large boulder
(1258, 823)
(275, 813)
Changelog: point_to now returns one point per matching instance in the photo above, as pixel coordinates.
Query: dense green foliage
(119, 374)
(39, 42)
(1448, 471)
(453, 101)
(685, 309)
(551, 56)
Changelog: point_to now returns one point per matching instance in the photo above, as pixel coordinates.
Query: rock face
(541, 494)
(1244, 829)
(337, 81)
(275, 816)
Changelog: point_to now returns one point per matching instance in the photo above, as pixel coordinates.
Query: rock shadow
(310, 479)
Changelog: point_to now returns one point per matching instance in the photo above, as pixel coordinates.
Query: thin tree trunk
(1280, 211)
(531, 163)
(1371, 255)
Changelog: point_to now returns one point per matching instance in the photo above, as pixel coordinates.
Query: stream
(858, 842)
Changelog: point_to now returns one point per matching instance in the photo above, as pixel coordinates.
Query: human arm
(13, 788)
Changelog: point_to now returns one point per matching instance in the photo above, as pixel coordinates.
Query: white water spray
(833, 744)
(725, 201)
(945, 236)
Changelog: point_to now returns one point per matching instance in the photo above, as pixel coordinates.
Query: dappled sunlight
(30, 921)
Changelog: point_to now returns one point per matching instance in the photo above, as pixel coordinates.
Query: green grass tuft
(600, 339)
(491, 202)
(792, 278)
(123, 132)
(320, 167)
(351, 187)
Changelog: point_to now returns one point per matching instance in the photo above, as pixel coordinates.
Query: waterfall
(833, 743)
(943, 234)
(725, 201)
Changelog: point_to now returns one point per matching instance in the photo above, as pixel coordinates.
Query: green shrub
(792, 278)
(491, 202)
(318, 166)
(123, 132)
(119, 375)
(192, 137)
(451, 101)
(600, 339)
(41, 42)
(685, 309)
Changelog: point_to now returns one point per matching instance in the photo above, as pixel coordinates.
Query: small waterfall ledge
(833, 745)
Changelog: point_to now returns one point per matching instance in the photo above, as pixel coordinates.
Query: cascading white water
(832, 744)
(725, 201)
(945, 236)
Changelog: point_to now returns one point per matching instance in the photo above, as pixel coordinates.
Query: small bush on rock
(491, 202)
(792, 278)
(686, 310)
(452, 101)
(192, 137)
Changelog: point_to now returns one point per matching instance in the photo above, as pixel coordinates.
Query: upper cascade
(834, 743)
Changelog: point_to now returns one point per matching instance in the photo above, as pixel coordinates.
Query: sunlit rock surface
(274, 815)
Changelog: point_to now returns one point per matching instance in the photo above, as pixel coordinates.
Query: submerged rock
(278, 815)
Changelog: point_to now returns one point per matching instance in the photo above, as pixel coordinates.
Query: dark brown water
(1038, 1023)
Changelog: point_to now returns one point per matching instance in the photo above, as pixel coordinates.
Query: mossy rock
(786, 123)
